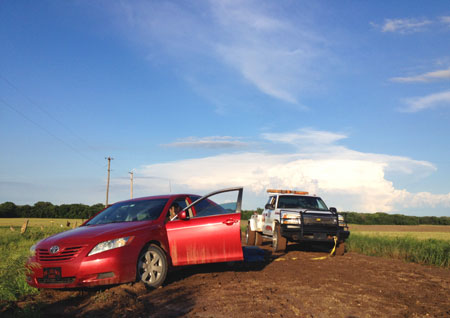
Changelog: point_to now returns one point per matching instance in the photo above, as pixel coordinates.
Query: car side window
(221, 203)
(180, 203)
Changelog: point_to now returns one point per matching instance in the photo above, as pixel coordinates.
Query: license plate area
(52, 273)
(320, 236)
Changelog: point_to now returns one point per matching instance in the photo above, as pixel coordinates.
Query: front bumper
(107, 268)
(298, 233)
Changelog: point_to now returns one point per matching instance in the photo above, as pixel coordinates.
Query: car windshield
(130, 211)
(301, 202)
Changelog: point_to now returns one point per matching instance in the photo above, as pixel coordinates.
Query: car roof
(162, 196)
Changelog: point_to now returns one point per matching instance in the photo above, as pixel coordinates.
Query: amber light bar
(286, 191)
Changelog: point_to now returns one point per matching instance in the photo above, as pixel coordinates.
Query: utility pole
(131, 180)
(107, 183)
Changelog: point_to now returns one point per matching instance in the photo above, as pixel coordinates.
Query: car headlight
(341, 220)
(33, 250)
(111, 244)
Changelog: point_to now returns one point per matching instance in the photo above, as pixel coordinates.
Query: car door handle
(229, 222)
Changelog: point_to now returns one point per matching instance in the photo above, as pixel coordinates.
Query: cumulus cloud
(416, 104)
(279, 56)
(426, 77)
(403, 26)
(213, 142)
(352, 180)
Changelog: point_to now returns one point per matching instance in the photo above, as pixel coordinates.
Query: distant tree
(8, 210)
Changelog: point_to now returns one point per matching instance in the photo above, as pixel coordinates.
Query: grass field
(38, 222)
(420, 232)
(14, 251)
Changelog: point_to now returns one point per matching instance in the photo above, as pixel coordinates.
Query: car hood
(84, 235)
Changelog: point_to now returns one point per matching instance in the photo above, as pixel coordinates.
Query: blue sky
(348, 100)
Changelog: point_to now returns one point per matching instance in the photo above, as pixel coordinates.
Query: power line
(45, 111)
(47, 131)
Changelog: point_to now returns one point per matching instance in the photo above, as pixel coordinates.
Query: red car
(138, 240)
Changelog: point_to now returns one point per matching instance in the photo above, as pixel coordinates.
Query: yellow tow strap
(331, 253)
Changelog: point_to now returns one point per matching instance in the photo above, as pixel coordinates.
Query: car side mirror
(333, 210)
(183, 216)
(269, 206)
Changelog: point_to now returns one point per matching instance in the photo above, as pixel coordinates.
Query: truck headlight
(111, 244)
(290, 219)
(341, 220)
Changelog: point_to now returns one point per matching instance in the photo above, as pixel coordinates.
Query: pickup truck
(296, 216)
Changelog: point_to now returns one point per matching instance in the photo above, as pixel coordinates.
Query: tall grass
(14, 251)
(429, 252)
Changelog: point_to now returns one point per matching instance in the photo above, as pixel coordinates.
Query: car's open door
(208, 230)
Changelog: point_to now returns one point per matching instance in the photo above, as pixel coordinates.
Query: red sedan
(139, 239)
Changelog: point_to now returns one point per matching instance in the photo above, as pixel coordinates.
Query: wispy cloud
(213, 142)
(403, 26)
(426, 77)
(305, 137)
(445, 20)
(279, 56)
(416, 104)
(349, 179)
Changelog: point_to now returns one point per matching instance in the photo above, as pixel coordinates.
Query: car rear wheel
(249, 236)
(279, 242)
(152, 266)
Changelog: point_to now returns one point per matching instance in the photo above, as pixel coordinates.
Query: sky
(348, 100)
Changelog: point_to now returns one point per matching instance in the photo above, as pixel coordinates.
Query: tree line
(48, 210)
(82, 211)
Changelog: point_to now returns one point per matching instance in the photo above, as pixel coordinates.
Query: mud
(291, 284)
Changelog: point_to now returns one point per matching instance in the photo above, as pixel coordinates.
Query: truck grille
(319, 220)
(67, 254)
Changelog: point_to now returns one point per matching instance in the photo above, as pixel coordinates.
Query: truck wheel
(249, 236)
(152, 267)
(340, 249)
(279, 242)
(258, 239)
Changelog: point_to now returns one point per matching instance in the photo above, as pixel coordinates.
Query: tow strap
(331, 253)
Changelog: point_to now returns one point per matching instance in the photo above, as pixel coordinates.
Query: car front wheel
(152, 266)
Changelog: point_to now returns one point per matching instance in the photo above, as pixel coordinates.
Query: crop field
(423, 244)
(421, 232)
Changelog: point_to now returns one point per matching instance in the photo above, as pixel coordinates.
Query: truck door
(268, 215)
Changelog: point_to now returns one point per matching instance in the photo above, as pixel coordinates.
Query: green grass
(408, 248)
(14, 251)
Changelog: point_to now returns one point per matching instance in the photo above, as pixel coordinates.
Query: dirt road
(291, 284)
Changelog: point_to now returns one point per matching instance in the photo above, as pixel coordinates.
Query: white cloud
(215, 142)
(427, 102)
(349, 179)
(404, 26)
(426, 77)
(282, 58)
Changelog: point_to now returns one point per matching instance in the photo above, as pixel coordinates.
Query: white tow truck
(296, 216)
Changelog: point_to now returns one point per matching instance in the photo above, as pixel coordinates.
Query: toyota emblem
(54, 249)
